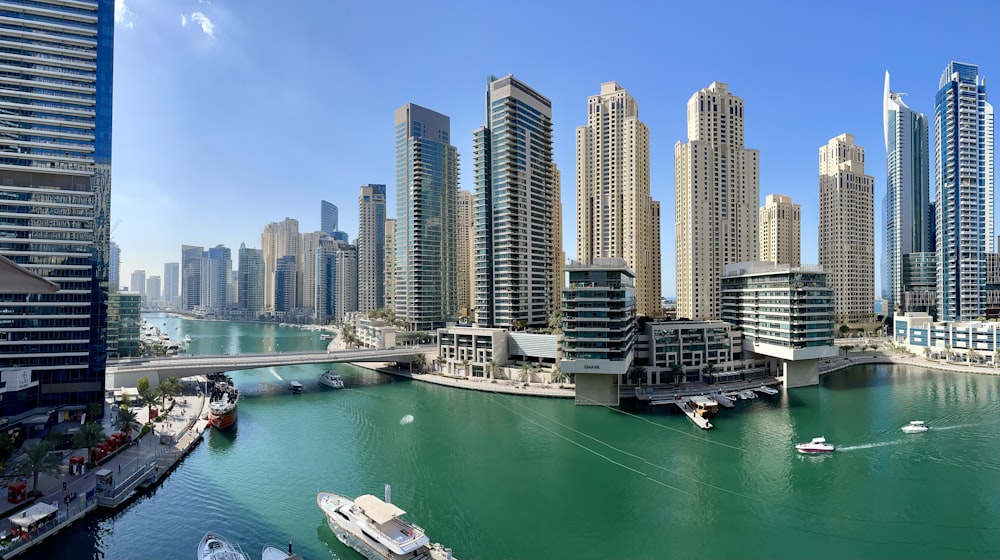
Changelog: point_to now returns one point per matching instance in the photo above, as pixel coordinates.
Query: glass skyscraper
(907, 187)
(963, 164)
(514, 208)
(250, 286)
(55, 195)
(328, 217)
(426, 213)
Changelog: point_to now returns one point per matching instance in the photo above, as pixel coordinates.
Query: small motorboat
(767, 390)
(915, 427)
(187, 338)
(214, 547)
(295, 387)
(331, 379)
(817, 445)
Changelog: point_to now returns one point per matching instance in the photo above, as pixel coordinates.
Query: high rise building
(613, 204)
(371, 247)
(138, 282)
(55, 181)
(559, 262)
(114, 265)
(336, 280)
(465, 256)
(328, 217)
(515, 200)
(426, 191)
(285, 282)
(907, 192)
(153, 289)
(717, 184)
(124, 324)
(279, 239)
(217, 280)
(847, 229)
(250, 297)
(779, 228)
(191, 273)
(389, 287)
(963, 163)
(171, 283)
(309, 246)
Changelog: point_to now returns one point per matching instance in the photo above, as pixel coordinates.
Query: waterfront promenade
(156, 453)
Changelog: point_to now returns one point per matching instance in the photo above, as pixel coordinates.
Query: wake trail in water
(870, 445)
(942, 428)
(275, 374)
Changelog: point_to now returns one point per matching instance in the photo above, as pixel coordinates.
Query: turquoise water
(517, 477)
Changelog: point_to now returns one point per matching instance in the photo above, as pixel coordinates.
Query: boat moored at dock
(275, 553)
(376, 529)
(703, 406)
(223, 401)
(214, 547)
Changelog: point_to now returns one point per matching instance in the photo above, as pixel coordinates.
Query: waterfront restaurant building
(786, 315)
(599, 327)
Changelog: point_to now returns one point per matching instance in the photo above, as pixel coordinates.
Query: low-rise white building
(976, 341)
(469, 350)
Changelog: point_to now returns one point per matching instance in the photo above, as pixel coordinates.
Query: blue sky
(230, 114)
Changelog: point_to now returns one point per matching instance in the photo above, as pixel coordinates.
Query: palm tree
(169, 387)
(126, 422)
(36, 460)
(492, 368)
(440, 362)
(636, 374)
(677, 372)
(89, 435)
(972, 355)
(520, 324)
(525, 376)
(465, 367)
(419, 360)
(927, 351)
(557, 374)
(147, 395)
(947, 351)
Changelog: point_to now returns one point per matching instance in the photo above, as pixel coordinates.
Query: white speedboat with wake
(915, 427)
(332, 379)
(817, 445)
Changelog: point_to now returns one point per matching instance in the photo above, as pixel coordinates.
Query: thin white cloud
(206, 24)
(123, 15)
(184, 20)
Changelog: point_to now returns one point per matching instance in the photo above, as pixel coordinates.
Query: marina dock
(112, 484)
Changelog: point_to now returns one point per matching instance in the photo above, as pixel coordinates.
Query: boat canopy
(32, 515)
(379, 511)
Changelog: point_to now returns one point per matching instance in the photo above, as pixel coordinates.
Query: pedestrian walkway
(563, 391)
(74, 496)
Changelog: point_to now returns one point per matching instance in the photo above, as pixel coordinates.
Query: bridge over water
(127, 372)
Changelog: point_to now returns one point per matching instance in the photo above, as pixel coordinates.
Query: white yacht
(376, 529)
(817, 445)
(767, 390)
(332, 379)
(214, 547)
(915, 427)
(274, 553)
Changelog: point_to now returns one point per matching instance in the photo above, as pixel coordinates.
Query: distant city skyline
(204, 185)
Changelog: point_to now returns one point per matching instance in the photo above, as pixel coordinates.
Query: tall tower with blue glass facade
(907, 194)
(328, 217)
(514, 208)
(371, 247)
(962, 166)
(426, 228)
(55, 199)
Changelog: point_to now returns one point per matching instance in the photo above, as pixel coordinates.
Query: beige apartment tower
(847, 229)
(278, 240)
(779, 229)
(466, 276)
(614, 210)
(389, 286)
(717, 184)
